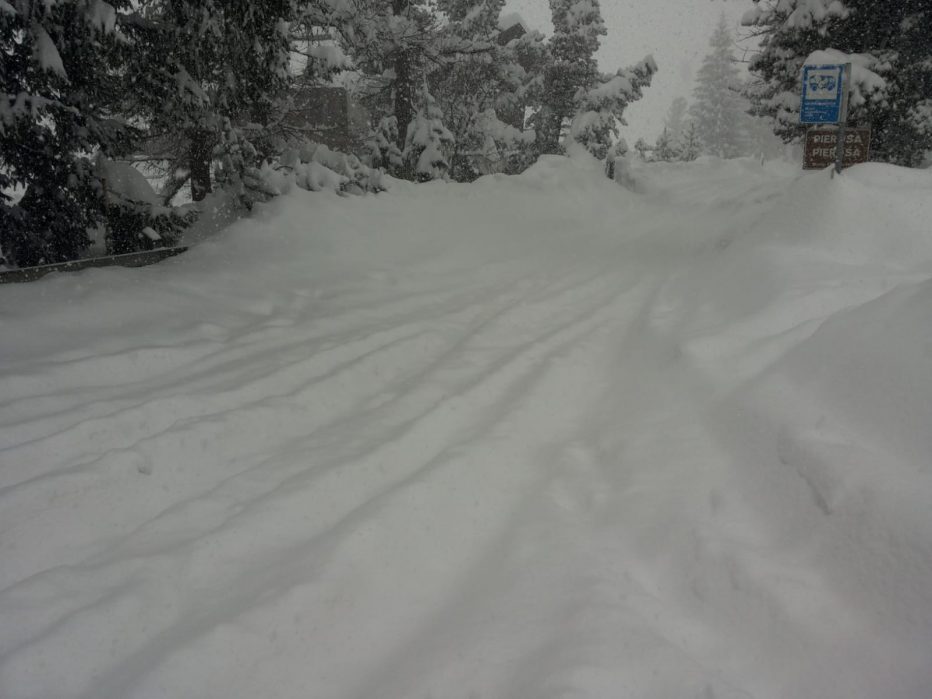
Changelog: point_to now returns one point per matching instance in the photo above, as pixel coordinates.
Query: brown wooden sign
(820, 147)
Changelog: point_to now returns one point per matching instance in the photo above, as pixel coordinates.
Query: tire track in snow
(480, 414)
(421, 375)
(173, 409)
(222, 369)
(362, 516)
(225, 415)
(573, 286)
(219, 370)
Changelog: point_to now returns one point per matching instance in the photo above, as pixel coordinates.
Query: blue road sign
(822, 94)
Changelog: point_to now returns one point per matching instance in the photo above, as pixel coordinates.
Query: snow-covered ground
(533, 437)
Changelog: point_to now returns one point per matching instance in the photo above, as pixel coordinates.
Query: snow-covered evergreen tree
(690, 146)
(616, 155)
(524, 93)
(472, 18)
(577, 26)
(600, 108)
(573, 88)
(315, 37)
(642, 148)
(61, 89)
(428, 142)
(470, 80)
(393, 43)
(888, 43)
(382, 146)
(201, 91)
(475, 81)
(676, 118)
(718, 108)
(666, 149)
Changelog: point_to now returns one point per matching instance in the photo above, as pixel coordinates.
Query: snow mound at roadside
(812, 322)
(809, 249)
(532, 437)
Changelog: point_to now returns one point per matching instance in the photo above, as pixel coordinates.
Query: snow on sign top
(822, 94)
(864, 80)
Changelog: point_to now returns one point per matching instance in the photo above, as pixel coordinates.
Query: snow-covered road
(532, 437)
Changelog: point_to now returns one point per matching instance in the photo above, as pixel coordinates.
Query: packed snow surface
(533, 437)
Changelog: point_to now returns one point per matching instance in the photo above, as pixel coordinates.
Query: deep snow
(532, 437)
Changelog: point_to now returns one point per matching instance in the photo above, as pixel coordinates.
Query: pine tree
(573, 88)
(61, 91)
(382, 146)
(718, 108)
(615, 160)
(600, 109)
(471, 80)
(472, 18)
(576, 31)
(666, 149)
(676, 118)
(890, 40)
(315, 36)
(427, 142)
(393, 43)
(690, 145)
(204, 95)
(642, 149)
(524, 93)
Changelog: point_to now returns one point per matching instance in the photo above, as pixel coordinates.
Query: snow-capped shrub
(313, 167)
(381, 146)
(427, 141)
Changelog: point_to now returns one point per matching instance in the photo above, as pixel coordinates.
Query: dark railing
(131, 259)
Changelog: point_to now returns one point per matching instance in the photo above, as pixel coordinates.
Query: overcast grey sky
(676, 32)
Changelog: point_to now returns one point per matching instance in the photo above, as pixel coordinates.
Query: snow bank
(537, 436)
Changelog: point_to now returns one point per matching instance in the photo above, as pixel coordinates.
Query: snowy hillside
(531, 437)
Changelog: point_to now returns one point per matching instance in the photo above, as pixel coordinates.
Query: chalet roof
(511, 26)
(510, 19)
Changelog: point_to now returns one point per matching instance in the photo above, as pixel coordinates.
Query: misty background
(676, 32)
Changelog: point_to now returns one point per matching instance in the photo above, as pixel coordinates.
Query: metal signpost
(825, 101)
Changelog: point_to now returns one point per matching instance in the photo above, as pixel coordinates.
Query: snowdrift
(537, 436)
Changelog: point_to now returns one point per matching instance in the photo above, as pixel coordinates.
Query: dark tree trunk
(548, 132)
(405, 98)
(199, 155)
(405, 94)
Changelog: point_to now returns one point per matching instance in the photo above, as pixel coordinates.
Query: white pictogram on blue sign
(822, 94)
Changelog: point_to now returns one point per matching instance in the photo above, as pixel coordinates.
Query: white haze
(676, 32)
